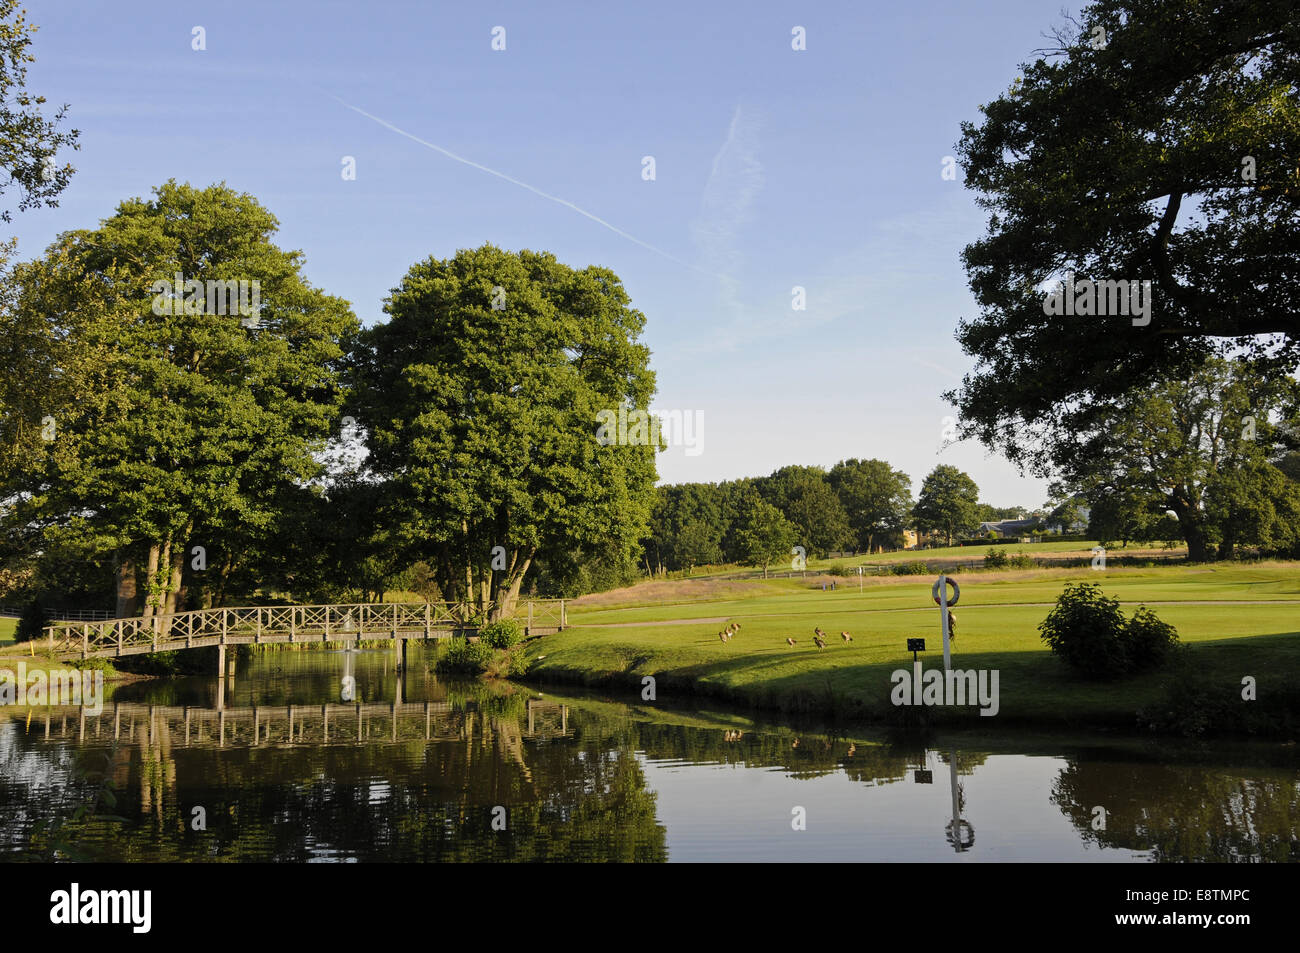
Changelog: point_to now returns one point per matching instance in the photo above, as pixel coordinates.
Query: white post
(943, 608)
(859, 580)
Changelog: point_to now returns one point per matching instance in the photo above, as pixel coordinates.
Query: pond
(333, 756)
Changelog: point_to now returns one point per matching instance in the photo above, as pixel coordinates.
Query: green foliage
(948, 502)
(1148, 641)
(482, 394)
(27, 138)
(805, 498)
(1089, 633)
(1085, 630)
(172, 428)
(909, 569)
(764, 535)
(1201, 448)
(503, 634)
(876, 498)
(463, 657)
(1127, 162)
(30, 622)
(1021, 560)
(995, 559)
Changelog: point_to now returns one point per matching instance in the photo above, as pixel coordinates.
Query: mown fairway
(997, 628)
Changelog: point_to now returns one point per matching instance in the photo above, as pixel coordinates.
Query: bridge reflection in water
(270, 725)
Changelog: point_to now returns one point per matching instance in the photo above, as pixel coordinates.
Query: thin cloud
(523, 185)
(735, 180)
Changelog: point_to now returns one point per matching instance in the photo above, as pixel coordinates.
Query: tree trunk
(126, 588)
(511, 598)
(1193, 532)
(173, 603)
(151, 580)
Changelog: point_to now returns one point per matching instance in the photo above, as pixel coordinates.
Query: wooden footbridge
(262, 625)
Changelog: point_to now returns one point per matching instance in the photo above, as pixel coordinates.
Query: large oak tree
(481, 396)
(1156, 141)
(175, 426)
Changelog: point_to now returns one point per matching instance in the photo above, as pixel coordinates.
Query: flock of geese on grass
(820, 638)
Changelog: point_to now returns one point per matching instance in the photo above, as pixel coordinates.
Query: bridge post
(529, 630)
(428, 627)
(85, 640)
(564, 614)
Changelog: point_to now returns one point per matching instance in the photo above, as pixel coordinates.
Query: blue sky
(775, 168)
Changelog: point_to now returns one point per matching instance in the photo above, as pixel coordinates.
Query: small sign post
(914, 646)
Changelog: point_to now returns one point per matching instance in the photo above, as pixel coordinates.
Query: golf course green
(1235, 621)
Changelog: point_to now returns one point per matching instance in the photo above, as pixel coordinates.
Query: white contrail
(524, 185)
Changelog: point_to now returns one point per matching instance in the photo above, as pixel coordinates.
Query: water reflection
(414, 768)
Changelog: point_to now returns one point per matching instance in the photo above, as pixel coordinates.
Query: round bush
(463, 657)
(1086, 631)
(503, 634)
(995, 559)
(1148, 640)
(31, 622)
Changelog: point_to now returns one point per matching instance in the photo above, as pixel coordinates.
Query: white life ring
(956, 590)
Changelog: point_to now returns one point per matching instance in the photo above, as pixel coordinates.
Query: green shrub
(30, 622)
(1148, 641)
(1021, 560)
(503, 634)
(1090, 634)
(841, 571)
(463, 657)
(1085, 630)
(995, 559)
(909, 569)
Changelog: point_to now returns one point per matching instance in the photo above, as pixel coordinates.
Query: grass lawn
(7, 627)
(1251, 636)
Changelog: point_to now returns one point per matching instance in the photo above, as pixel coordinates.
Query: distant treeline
(858, 505)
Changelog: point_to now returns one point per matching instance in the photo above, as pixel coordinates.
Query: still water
(333, 757)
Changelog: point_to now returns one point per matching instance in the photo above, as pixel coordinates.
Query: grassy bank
(1234, 621)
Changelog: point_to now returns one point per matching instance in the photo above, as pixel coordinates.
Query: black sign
(924, 777)
(916, 645)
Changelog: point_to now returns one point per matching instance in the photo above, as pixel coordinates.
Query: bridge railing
(233, 625)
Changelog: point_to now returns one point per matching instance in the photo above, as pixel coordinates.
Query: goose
(819, 642)
(789, 641)
(846, 637)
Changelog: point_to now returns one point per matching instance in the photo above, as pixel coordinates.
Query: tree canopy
(1154, 141)
(482, 396)
(948, 502)
(165, 422)
(29, 140)
(1205, 449)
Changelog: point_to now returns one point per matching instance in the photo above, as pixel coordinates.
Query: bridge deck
(262, 625)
